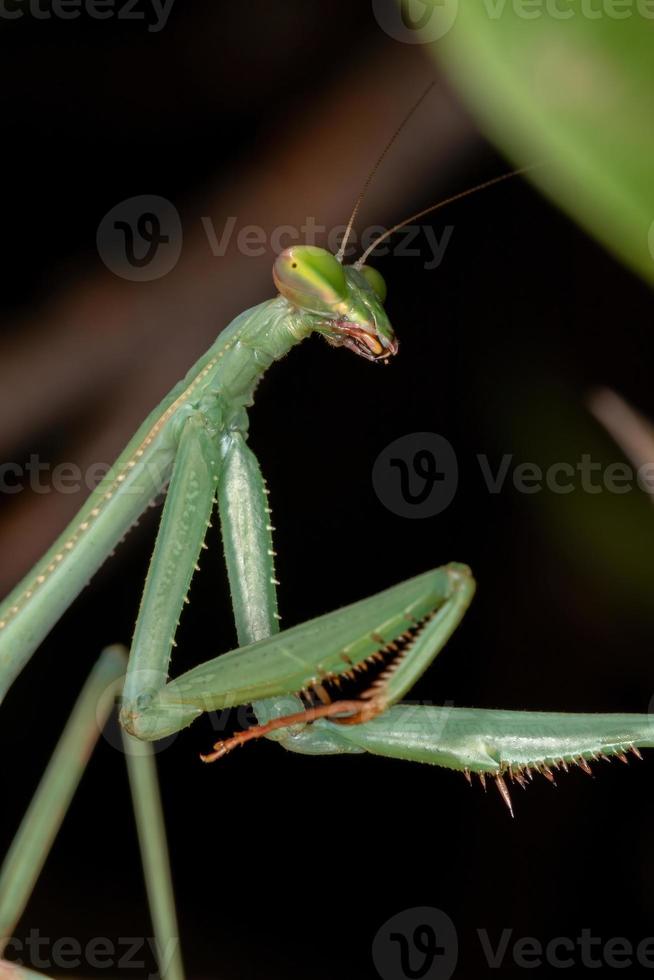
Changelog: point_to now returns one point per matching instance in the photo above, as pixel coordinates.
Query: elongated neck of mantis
(245, 350)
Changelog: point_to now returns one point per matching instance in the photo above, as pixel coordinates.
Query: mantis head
(345, 303)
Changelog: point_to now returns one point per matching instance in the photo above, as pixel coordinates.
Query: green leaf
(569, 83)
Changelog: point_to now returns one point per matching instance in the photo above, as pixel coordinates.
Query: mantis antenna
(341, 252)
(441, 204)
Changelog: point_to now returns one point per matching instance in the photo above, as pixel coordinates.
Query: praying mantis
(331, 685)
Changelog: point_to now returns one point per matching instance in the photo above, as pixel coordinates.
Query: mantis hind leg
(153, 845)
(505, 746)
(38, 830)
(41, 823)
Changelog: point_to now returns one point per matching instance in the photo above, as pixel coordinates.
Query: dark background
(285, 865)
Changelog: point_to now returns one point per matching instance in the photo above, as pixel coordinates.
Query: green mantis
(195, 441)
(333, 684)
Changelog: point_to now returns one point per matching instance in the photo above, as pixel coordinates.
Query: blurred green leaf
(569, 83)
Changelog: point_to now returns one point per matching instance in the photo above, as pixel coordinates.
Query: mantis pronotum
(195, 443)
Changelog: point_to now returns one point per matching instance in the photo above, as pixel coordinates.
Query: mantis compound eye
(375, 280)
(310, 278)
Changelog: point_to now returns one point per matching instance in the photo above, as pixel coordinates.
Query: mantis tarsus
(195, 443)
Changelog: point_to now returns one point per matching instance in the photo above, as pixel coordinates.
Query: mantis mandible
(195, 444)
